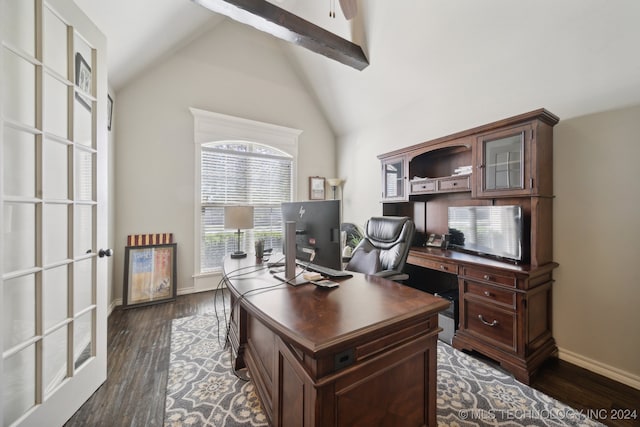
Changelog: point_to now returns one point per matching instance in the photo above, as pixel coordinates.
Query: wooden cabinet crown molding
(540, 114)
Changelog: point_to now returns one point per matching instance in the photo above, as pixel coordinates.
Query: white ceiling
(439, 57)
(140, 32)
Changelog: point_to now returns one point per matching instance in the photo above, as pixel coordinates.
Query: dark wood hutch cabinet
(504, 307)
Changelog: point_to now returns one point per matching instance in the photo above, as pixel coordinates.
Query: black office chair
(384, 249)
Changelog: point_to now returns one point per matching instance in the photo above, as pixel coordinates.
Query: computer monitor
(317, 231)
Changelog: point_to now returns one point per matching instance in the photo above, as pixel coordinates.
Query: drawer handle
(486, 277)
(492, 324)
(443, 267)
(487, 293)
(455, 183)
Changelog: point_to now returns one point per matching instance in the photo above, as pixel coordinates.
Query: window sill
(208, 274)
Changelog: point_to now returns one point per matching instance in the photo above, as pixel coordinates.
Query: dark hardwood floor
(138, 361)
(605, 400)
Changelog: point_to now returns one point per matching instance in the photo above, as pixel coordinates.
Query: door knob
(105, 252)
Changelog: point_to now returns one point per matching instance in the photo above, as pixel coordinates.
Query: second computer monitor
(317, 231)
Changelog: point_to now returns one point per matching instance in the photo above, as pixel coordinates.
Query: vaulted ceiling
(574, 57)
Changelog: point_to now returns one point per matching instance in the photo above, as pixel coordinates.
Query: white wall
(597, 241)
(596, 223)
(357, 154)
(232, 70)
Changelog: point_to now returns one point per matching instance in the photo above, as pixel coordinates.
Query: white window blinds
(241, 173)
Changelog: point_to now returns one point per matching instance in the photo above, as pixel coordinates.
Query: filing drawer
(461, 183)
(505, 279)
(491, 294)
(490, 323)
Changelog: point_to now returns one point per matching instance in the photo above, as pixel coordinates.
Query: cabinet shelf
(446, 184)
(438, 166)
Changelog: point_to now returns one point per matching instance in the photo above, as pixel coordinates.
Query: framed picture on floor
(150, 274)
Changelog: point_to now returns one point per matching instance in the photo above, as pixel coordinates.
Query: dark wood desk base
(339, 357)
(504, 309)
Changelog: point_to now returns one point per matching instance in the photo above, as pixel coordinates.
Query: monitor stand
(292, 275)
(296, 280)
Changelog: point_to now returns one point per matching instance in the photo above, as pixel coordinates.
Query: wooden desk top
(471, 259)
(319, 319)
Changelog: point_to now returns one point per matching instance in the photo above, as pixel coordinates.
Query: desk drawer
(490, 323)
(394, 339)
(446, 267)
(490, 293)
(505, 279)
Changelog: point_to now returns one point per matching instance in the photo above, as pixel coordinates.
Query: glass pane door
(503, 167)
(503, 162)
(49, 206)
(393, 176)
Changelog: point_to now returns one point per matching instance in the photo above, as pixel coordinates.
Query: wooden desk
(505, 309)
(361, 354)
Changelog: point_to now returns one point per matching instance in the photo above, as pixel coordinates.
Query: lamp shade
(238, 217)
(334, 182)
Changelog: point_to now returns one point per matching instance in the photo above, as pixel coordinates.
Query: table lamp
(240, 218)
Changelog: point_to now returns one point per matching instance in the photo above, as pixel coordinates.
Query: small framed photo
(83, 80)
(150, 274)
(316, 188)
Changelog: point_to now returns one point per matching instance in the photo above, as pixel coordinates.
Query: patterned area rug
(202, 389)
(472, 393)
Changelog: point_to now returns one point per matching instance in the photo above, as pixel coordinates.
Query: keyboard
(325, 271)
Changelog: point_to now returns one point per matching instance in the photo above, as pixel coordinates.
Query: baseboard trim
(113, 305)
(193, 290)
(182, 291)
(610, 372)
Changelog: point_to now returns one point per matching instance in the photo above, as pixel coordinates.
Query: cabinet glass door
(503, 167)
(393, 179)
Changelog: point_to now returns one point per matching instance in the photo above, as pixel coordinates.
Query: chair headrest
(386, 229)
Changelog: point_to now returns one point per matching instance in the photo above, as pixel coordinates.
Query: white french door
(53, 94)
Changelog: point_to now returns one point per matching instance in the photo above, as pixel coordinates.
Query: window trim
(210, 127)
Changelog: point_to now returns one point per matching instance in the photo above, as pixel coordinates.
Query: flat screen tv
(496, 231)
(317, 231)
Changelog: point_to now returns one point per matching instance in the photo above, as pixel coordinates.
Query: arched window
(239, 162)
(244, 173)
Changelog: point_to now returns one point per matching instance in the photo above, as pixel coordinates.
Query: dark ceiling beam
(280, 23)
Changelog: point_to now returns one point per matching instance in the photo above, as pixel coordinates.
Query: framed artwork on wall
(316, 188)
(83, 80)
(150, 274)
(109, 111)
